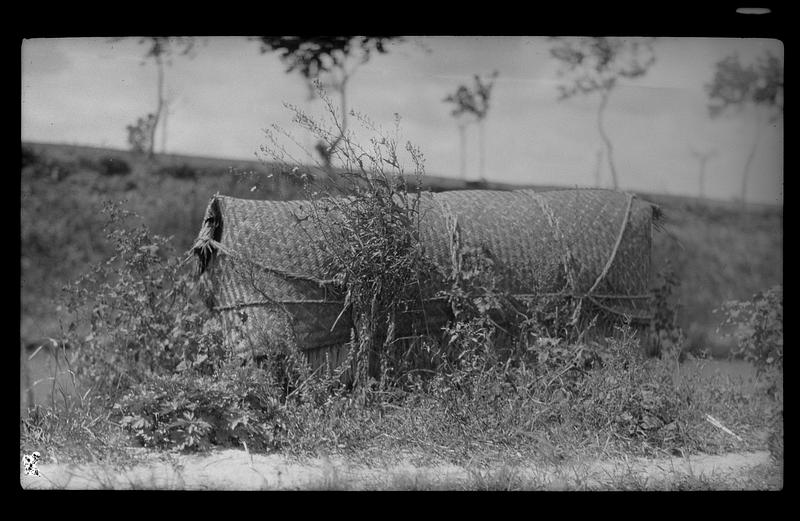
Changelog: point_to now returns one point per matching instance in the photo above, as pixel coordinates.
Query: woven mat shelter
(266, 272)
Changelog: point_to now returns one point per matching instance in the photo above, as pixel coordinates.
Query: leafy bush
(153, 355)
(139, 311)
(50, 169)
(145, 325)
(28, 157)
(181, 171)
(110, 165)
(140, 134)
(758, 330)
(189, 411)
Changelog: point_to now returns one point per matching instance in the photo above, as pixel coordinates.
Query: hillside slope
(718, 251)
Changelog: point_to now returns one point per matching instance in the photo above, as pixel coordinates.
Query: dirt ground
(238, 470)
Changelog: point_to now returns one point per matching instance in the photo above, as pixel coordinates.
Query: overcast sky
(86, 90)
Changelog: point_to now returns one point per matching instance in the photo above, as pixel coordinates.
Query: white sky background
(87, 90)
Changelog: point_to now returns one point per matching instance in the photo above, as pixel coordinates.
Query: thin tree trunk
(160, 106)
(703, 176)
(750, 156)
(482, 149)
(164, 130)
(597, 166)
(606, 140)
(462, 132)
(165, 116)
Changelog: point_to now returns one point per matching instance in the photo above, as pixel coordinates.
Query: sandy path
(236, 470)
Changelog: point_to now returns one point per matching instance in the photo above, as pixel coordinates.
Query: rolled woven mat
(266, 271)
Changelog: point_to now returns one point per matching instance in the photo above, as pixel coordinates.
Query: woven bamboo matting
(267, 270)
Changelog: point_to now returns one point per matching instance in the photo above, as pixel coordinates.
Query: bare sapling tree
(472, 105)
(160, 49)
(595, 65)
(330, 60)
(757, 88)
(702, 157)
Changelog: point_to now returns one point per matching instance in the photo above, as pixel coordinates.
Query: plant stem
(609, 147)
(462, 131)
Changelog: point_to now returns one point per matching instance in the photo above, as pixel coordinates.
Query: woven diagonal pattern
(267, 271)
(515, 228)
(267, 274)
(270, 233)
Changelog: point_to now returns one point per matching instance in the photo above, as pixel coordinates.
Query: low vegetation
(150, 372)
